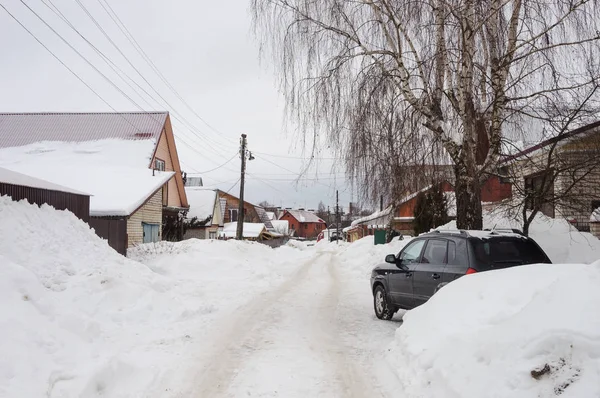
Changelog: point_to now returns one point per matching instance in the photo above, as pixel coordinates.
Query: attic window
(159, 165)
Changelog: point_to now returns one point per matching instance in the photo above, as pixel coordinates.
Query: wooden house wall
(163, 153)
(113, 230)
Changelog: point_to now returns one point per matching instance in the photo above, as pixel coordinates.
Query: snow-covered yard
(238, 319)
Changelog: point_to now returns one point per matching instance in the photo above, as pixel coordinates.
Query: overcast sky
(206, 51)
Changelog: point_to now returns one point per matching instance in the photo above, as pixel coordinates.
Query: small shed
(37, 191)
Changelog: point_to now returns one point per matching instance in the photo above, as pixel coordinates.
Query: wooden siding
(113, 230)
(150, 213)
(76, 204)
(233, 203)
(163, 153)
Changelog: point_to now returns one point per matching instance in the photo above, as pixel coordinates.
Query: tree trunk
(468, 197)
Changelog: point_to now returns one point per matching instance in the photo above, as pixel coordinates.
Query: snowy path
(313, 335)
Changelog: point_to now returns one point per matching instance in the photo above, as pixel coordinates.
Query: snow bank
(362, 255)
(70, 304)
(531, 331)
(79, 320)
(562, 242)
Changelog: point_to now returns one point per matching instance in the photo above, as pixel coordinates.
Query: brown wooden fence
(113, 230)
(76, 204)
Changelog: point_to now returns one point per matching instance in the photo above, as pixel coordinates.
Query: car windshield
(502, 253)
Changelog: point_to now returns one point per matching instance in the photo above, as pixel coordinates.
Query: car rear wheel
(380, 303)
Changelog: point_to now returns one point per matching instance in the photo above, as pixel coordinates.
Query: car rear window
(502, 253)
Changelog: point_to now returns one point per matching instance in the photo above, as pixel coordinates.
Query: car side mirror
(390, 258)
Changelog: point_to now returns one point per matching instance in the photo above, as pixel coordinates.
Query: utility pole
(337, 216)
(240, 222)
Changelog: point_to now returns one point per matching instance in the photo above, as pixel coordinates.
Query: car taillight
(471, 271)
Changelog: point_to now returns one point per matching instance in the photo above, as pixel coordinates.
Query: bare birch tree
(455, 71)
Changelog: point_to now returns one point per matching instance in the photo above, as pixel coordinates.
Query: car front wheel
(380, 302)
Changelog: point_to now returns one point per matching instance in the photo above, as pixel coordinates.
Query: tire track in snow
(221, 365)
(303, 309)
(350, 381)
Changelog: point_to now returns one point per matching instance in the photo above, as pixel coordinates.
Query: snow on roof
(415, 194)
(262, 215)
(251, 230)
(202, 202)
(595, 217)
(281, 226)
(271, 215)
(115, 172)
(374, 216)
(14, 178)
(304, 216)
(18, 129)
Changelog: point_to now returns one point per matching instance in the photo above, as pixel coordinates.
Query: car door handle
(435, 276)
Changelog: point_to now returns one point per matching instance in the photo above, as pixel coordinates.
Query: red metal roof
(18, 129)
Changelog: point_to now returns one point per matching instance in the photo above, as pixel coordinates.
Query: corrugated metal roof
(264, 218)
(304, 216)
(18, 129)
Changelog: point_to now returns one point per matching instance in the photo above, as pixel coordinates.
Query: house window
(212, 235)
(159, 164)
(233, 215)
(151, 232)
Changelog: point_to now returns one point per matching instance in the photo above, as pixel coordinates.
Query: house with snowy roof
(204, 219)
(252, 213)
(560, 175)
(127, 162)
(303, 224)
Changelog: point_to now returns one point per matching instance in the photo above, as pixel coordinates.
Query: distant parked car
(435, 259)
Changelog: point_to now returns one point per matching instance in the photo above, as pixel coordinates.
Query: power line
(218, 167)
(233, 186)
(57, 58)
(129, 36)
(177, 115)
(67, 67)
(293, 157)
(87, 61)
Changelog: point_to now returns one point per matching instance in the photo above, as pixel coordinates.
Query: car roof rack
(504, 230)
(450, 231)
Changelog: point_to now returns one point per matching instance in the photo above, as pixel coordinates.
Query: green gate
(379, 236)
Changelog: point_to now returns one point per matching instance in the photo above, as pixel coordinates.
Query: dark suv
(434, 259)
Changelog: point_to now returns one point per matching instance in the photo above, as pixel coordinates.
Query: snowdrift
(523, 332)
(562, 242)
(79, 320)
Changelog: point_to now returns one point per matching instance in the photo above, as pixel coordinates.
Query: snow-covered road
(209, 318)
(312, 335)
